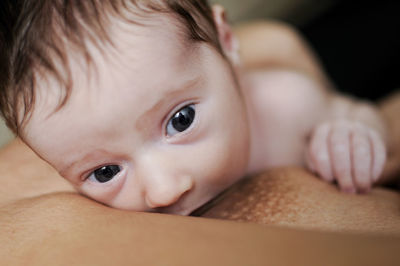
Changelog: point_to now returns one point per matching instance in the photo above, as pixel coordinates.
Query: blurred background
(357, 41)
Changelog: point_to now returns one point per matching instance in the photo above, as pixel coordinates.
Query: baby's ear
(227, 38)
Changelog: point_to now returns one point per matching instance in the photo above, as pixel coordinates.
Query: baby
(145, 106)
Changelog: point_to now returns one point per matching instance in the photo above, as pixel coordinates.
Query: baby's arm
(347, 139)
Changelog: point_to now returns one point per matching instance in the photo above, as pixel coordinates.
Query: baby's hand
(348, 152)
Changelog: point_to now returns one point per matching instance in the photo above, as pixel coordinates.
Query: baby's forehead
(156, 37)
(141, 58)
(114, 88)
(156, 49)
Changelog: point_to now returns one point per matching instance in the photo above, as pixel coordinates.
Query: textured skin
(294, 197)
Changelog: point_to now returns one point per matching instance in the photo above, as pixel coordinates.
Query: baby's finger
(340, 154)
(361, 160)
(319, 152)
(379, 155)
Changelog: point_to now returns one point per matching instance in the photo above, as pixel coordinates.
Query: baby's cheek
(227, 165)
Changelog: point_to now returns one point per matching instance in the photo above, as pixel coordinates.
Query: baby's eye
(181, 120)
(105, 173)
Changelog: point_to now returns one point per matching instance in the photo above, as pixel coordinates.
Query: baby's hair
(33, 34)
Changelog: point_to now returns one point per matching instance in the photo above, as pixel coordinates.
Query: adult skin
(44, 222)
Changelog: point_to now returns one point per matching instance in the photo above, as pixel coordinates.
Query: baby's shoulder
(282, 90)
(278, 109)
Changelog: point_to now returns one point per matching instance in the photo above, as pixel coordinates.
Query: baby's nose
(165, 191)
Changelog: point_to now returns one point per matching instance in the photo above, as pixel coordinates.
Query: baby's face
(160, 126)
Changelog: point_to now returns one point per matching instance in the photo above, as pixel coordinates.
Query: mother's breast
(294, 197)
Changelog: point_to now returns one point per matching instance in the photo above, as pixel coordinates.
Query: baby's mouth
(195, 210)
(180, 208)
(203, 208)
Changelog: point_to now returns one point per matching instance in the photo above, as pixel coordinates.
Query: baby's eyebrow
(165, 99)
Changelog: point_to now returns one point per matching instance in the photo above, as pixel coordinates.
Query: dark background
(359, 45)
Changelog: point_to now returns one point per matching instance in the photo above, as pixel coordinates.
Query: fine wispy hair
(34, 34)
